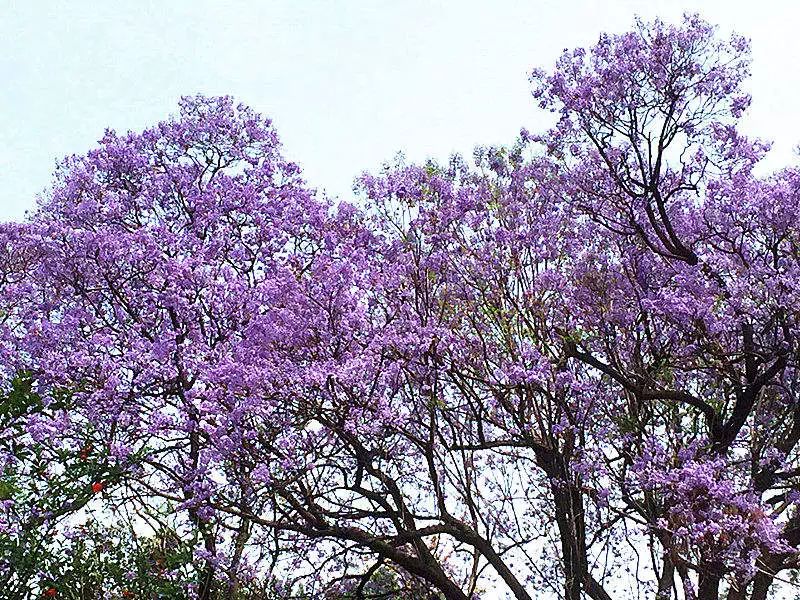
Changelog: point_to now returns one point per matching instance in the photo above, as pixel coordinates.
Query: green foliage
(387, 584)
(50, 540)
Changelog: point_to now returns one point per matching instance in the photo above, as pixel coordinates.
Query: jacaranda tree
(568, 370)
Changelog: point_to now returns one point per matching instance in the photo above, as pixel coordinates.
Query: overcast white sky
(348, 83)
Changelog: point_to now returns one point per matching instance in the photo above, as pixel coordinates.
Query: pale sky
(348, 84)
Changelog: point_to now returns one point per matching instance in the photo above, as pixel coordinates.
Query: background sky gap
(347, 83)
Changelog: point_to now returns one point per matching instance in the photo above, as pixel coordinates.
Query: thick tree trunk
(572, 531)
(667, 579)
(569, 514)
(737, 592)
(708, 588)
(761, 584)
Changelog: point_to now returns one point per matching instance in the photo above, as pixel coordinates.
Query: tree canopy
(567, 369)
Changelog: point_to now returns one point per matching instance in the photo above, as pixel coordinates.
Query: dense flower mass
(567, 370)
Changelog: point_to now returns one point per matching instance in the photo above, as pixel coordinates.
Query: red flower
(50, 592)
(98, 486)
(85, 451)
